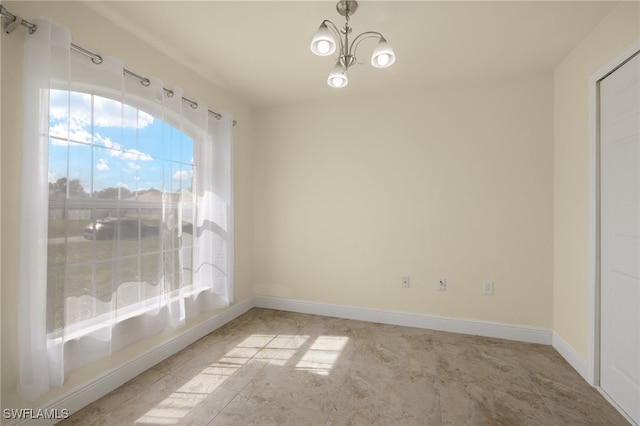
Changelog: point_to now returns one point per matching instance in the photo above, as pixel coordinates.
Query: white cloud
(133, 166)
(122, 185)
(107, 112)
(77, 133)
(53, 177)
(60, 103)
(114, 147)
(134, 154)
(181, 174)
(102, 165)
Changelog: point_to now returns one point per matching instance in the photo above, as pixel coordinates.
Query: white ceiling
(259, 50)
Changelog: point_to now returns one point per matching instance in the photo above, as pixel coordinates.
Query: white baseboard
(570, 355)
(454, 325)
(85, 394)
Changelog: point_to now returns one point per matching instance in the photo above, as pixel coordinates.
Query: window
(120, 221)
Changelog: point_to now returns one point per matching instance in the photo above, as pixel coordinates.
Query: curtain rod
(15, 20)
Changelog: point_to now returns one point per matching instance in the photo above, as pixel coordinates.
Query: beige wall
(90, 30)
(456, 181)
(571, 168)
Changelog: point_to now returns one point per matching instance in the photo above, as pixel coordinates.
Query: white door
(620, 236)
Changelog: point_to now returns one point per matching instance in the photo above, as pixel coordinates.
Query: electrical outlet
(406, 282)
(442, 284)
(488, 288)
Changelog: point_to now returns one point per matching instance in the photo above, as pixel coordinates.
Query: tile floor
(275, 368)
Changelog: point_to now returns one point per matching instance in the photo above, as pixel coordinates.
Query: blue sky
(116, 146)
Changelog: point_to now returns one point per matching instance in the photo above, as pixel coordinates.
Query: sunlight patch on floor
(322, 355)
(267, 348)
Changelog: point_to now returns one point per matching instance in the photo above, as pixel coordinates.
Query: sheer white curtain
(102, 150)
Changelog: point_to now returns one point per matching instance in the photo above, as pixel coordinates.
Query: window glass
(120, 196)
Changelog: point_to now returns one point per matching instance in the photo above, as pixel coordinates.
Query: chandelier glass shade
(383, 55)
(323, 43)
(338, 77)
(330, 38)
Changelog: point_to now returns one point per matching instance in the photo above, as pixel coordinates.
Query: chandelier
(324, 43)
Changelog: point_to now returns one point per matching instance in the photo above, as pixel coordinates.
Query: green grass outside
(58, 227)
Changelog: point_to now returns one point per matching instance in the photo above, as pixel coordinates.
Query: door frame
(593, 275)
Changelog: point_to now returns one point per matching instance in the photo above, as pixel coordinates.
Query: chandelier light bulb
(383, 59)
(323, 46)
(338, 81)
